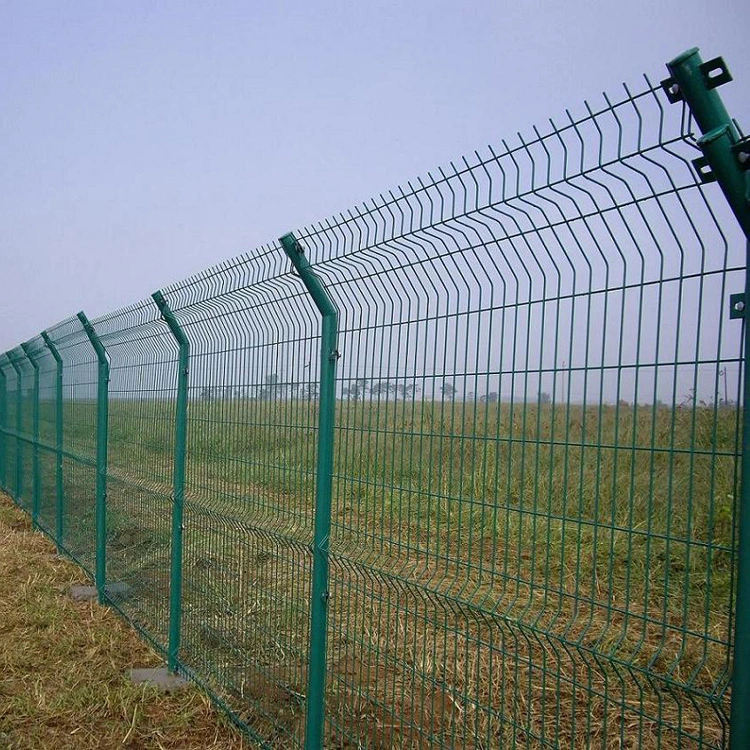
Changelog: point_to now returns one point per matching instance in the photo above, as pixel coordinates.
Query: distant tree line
(355, 390)
(272, 389)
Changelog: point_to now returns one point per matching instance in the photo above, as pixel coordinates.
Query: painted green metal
(329, 356)
(718, 142)
(35, 436)
(3, 427)
(740, 715)
(509, 517)
(180, 449)
(717, 146)
(695, 89)
(102, 432)
(59, 410)
(17, 495)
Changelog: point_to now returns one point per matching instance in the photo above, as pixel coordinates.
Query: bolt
(674, 89)
(739, 306)
(743, 157)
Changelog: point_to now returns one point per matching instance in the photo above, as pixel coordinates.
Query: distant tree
(407, 390)
(309, 391)
(358, 388)
(490, 398)
(272, 388)
(448, 389)
(544, 397)
(381, 388)
(294, 389)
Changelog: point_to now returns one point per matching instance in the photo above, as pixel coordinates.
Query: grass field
(502, 575)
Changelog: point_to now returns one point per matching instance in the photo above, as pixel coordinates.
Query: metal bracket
(737, 306)
(704, 171)
(715, 73)
(741, 150)
(672, 90)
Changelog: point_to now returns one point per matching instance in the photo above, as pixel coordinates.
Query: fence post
(324, 488)
(3, 426)
(35, 436)
(58, 439)
(102, 419)
(19, 429)
(725, 160)
(180, 447)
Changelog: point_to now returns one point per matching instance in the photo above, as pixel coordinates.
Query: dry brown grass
(63, 664)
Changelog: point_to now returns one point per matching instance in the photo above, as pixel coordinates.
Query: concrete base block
(83, 593)
(118, 590)
(160, 678)
(112, 590)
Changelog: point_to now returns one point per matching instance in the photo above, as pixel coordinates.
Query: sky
(141, 142)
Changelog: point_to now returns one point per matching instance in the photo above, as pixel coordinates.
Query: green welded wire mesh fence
(459, 467)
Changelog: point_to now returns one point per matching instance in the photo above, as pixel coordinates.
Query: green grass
(500, 573)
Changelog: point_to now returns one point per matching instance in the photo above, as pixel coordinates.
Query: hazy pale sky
(143, 141)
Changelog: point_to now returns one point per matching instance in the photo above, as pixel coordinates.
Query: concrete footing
(117, 590)
(83, 593)
(160, 678)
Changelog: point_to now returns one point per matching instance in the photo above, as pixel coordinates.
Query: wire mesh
(142, 370)
(20, 421)
(79, 442)
(43, 438)
(249, 487)
(536, 463)
(536, 453)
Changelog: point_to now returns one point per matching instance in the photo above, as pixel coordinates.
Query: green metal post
(739, 724)
(320, 594)
(719, 143)
(695, 87)
(102, 419)
(35, 437)
(717, 146)
(59, 500)
(19, 430)
(180, 447)
(3, 426)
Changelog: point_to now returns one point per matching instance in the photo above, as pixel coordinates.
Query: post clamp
(737, 306)
(714, 72)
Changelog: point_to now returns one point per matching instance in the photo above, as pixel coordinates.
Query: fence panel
(79, 440)
(20, 407)
(7, 441)
(44, 442)
(536, 457)
(3, 422)
(250, 477)
(142, 373)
